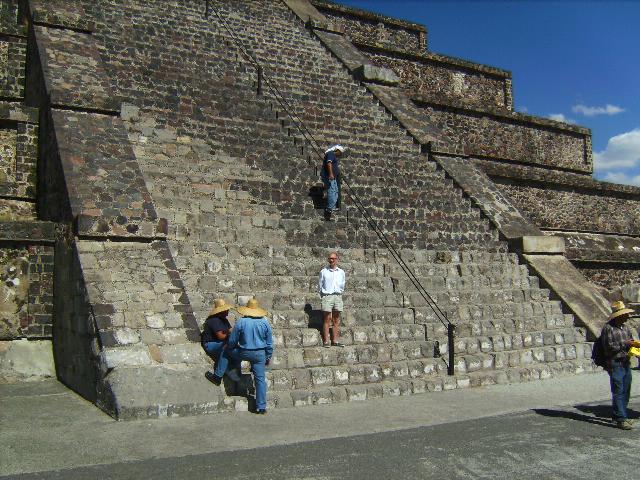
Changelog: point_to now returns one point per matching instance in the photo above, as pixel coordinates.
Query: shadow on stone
(317, 196)
(315, 317)
(574, 416)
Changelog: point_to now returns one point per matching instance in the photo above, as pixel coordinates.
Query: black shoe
(262, 411)
(212, 378)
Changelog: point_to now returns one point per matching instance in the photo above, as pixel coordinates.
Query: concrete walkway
(45, 427)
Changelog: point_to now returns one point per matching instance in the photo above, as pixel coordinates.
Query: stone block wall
(375, 29)
(18, 152)
(434, 78)
(573, 202)
(12, 66)
(26, 272)
(514, 138)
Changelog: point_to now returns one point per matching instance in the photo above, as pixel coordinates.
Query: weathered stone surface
(589, 307)
(542, 244)
(343, 49)
(305, 10)
(25, 360)
(26, 291)
(60, 13)
(162, 392)
(205, 152)
(429, 77)
(374, 74)
(103, 179)
(363, 26)
(73, 70)
(489, 198)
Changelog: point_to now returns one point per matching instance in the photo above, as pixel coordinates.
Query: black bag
(597, 353)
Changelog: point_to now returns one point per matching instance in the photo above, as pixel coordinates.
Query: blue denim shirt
(252, 334)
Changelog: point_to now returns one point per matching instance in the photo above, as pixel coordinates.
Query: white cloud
(559, 117)
(618, 177)
(622, 152)
(593, 111)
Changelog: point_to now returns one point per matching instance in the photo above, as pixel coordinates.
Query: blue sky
(574, 61)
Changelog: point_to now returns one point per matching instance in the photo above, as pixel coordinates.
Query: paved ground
(553, 429)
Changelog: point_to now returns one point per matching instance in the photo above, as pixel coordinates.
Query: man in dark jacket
(215, 334)
(617, 338)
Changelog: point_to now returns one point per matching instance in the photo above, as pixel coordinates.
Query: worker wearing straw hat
(617, 338)
(252, 340)
(215, 331)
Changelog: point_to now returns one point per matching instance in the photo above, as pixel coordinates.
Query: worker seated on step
(215, 334)
(250, 340)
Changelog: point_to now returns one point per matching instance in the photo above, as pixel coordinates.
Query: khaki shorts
(332, 303)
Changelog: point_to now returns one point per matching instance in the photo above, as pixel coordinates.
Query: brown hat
(252, 309)
(219, 305)
(619, 309)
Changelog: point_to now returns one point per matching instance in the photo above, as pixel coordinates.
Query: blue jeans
(620, 377)
(258, 359)
(333, 192)
(214, 349)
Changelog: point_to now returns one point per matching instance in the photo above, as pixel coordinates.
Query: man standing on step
(330, 178)
(617, 338)
(330, 286)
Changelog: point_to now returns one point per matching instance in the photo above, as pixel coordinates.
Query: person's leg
(213, 349)
(627, 386)
(326, 305)
(258, 368)
(332, 194)
(223, 363)
(335, 316)
(326, 323)
(617, 380)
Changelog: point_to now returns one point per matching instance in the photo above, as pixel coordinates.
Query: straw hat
(619, 309)
(252, 309)
(219, 305)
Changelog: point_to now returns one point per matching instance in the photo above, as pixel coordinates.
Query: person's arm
(320, 282)
(613, 343)
(268, 349)
(235, 335)
(330, 170)
(342, 280)
(221, 334)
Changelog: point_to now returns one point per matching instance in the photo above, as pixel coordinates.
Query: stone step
(288, 358)
(353, 374)
(301, 258)
(509, 318)
(525, 357)
(300, 301)
(222, 282)
(466, 342)
(419, 385)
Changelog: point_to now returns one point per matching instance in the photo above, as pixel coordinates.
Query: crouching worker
(215, 333)
(252, 340)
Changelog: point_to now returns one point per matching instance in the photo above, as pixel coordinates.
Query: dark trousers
(620, 378)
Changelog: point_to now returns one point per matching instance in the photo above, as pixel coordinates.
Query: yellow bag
(634, 351)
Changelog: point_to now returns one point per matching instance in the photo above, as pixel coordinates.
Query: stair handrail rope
(306, 133)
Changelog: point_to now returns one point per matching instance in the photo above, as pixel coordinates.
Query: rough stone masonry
(144, 174)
